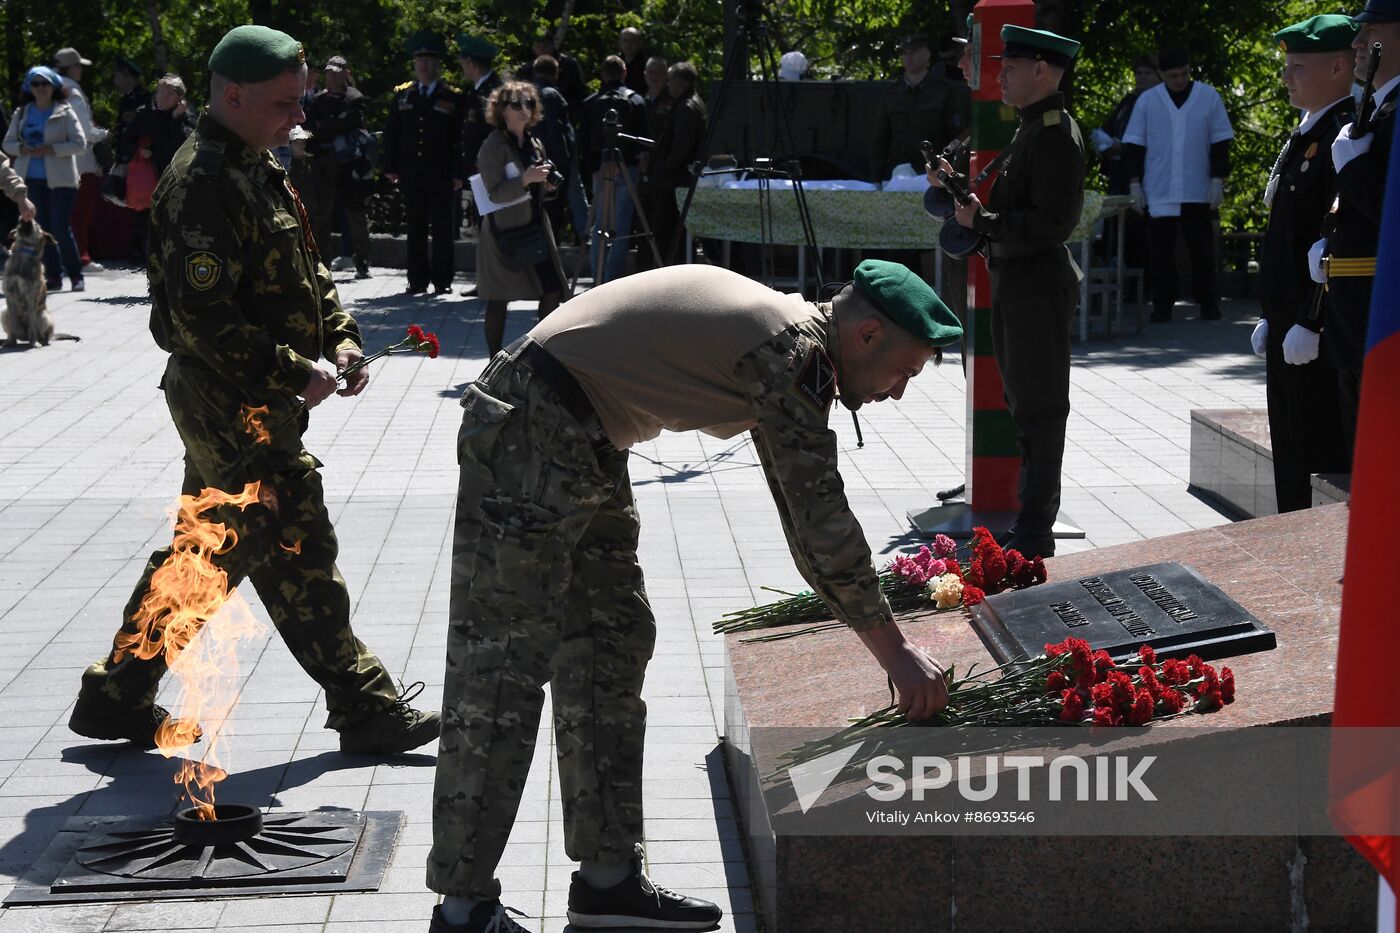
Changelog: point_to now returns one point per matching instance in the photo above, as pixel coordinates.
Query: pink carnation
(943, 545)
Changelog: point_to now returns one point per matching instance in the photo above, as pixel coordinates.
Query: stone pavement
(90, 463)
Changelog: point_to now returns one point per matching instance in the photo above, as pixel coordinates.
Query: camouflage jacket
(791, 382)
(236, 280)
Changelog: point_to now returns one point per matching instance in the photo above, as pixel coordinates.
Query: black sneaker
(442, 289)
(362, 270)
(637, 902)
(486, 917)
(415, 289)
(395, 729)
(137, 726)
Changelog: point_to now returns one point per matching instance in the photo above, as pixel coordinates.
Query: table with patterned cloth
(841, 219)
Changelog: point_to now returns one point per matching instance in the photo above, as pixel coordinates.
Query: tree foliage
(1229, 41)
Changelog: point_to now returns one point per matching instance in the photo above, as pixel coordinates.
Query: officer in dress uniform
(1303, 427)
(1031, 210)
(421, 140)
(545, 581)
(1346, 260)
(476, 57)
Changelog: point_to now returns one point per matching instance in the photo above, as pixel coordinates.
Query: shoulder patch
(816, 383)
(403, 87)
(1053, 117)
(202, 270)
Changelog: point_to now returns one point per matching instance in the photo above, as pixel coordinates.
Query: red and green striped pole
(993, 458)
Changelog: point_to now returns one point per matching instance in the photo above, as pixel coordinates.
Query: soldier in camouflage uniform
(546, 587)
(245, 307)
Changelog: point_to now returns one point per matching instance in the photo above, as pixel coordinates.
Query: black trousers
(429, 208)
(1349, 405)
(1305, 432)
(1196, 224)
(1033, 303)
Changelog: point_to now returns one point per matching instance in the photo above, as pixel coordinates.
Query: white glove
(1344, 148)
(1315, 262)
(1139, 199)
(1259, 339)
(1217, 193)
(1300, 345)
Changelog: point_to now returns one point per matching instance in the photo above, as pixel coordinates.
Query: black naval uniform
(1360, 193)
(1303, 427)
(1030, 212)
(421, 139)
(935, 110)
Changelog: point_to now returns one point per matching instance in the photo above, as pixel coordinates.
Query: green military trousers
(545, 589)
(288, 552)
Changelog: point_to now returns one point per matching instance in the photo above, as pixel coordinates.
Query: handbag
(522, 248)
(141, 181)
(114, 185)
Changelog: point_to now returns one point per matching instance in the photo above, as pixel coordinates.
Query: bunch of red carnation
(423, 341)
(1093, 690)
(993, 570)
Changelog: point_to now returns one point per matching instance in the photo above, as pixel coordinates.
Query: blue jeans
(54, 210)
(621, 224)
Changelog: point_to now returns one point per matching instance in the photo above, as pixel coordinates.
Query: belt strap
(555, 375)
(1351, 266)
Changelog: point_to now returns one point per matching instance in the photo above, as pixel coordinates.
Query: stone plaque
(1168, 606)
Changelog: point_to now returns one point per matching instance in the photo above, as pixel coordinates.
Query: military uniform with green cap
(133, 98)
(475, 129)
(546, 587)
(244, 306)
(1361, 165)
(1030, 212)
(1304, 429)
(422, 140)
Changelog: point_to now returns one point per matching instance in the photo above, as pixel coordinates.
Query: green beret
(475, 47)
(1330, 32)
(1041, 44)
(426, 42)
(250, 54)
(907, 300)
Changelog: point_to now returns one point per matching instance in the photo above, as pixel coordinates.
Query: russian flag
(1364, 778)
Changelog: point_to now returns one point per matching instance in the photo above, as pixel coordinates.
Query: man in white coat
(1177, 153)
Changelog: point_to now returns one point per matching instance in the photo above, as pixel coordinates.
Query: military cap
(337, 63)
(1040, 44)
(122, 63)
(907, 300)
(251, 54)
(426, 42)
(475, 47)
(1329, 32)
(1379, 11)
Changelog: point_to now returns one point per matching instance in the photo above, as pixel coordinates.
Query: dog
(26, 314)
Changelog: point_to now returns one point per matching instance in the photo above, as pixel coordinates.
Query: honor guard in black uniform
(918, 105)
(421, 139)
(476, 55)
(1304, 431)
(1031, 211)
(1346, 260)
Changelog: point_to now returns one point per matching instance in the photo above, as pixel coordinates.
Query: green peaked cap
(1024, 42)
(250, 54)
(908, 300)
(1329, 32)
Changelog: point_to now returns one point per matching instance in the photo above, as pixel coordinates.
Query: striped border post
(993, 458)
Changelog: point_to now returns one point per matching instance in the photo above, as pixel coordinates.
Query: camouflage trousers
(288, 552)
(545, 589)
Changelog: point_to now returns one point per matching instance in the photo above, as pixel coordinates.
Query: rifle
(955, 239)
(1364, 117)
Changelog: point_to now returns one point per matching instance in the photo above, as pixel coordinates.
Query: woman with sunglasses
(46, 138)
(513, 166)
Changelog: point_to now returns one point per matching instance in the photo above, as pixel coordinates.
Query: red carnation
(1148, 655)
(972, 595)
(975, 575)
(954, 567)
(1195, 665)
(1173, 700)
(1103, 662)
(434, 348)
(1141, 712)
(1105, 716)
(1102, 694)
(1073, 708)
(1038, 573)
(1122, 687)
(416, 333)
(1174, 671)
(1227, 685)
(1056, 682)
(1150, 683)
(1209, 699)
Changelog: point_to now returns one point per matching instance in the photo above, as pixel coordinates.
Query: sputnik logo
(811, 778)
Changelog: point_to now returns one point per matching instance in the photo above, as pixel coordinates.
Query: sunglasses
(526, 104)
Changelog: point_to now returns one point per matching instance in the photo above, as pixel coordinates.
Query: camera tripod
(602, 214)
(752, 27)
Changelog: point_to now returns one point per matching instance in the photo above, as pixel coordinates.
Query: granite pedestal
(1063, 883)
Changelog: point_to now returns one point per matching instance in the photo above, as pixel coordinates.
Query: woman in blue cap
(45, 138)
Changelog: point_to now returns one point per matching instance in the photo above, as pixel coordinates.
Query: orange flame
(188, 593)
(293, 548)
(252, 423)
